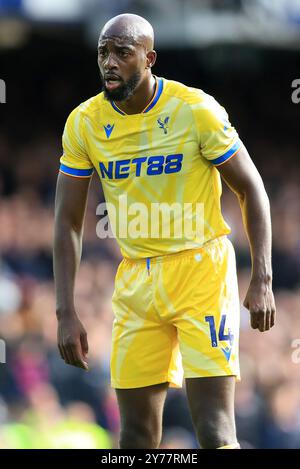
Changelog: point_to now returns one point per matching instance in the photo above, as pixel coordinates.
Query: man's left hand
(261, 305)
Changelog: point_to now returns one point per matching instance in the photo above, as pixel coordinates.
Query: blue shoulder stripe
(229, 153)
(76, 172)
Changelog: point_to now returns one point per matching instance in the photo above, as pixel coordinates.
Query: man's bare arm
(70, 205)
(243, 179)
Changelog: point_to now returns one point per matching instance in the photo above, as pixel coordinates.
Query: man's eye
(124, 53)
(102, 53)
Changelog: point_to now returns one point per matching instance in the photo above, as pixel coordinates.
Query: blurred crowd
(43, 402)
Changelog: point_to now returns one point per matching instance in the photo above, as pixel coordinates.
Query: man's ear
(151, 58)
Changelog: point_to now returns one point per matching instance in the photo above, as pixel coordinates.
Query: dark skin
(243, 179)
(124, 50)
(70, 204)
(210, 399)
(211, 404)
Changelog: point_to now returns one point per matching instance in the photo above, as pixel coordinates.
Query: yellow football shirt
(157, 168)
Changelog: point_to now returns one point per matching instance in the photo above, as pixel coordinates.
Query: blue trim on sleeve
(235, 147)
(76, 172)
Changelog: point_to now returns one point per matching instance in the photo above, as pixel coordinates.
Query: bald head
(126, 56)
(132, 28)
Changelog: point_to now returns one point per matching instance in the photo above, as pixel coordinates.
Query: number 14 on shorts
(221, 334)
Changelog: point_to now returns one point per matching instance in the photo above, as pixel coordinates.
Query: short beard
(125, 90)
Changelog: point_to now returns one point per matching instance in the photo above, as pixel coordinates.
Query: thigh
(211, 396)
(211, 402)
(141, 412)
(142, 404)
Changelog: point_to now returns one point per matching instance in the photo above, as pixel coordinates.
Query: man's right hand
(72, 341)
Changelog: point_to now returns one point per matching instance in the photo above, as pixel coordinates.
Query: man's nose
(110, 62)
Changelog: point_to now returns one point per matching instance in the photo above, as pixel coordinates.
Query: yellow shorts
(176, 313)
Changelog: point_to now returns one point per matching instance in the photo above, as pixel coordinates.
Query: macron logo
(227, 352)
(108, 129)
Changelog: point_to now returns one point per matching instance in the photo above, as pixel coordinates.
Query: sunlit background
(246, 54)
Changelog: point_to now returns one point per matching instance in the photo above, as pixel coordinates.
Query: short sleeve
(218, 139)
(75, 160)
